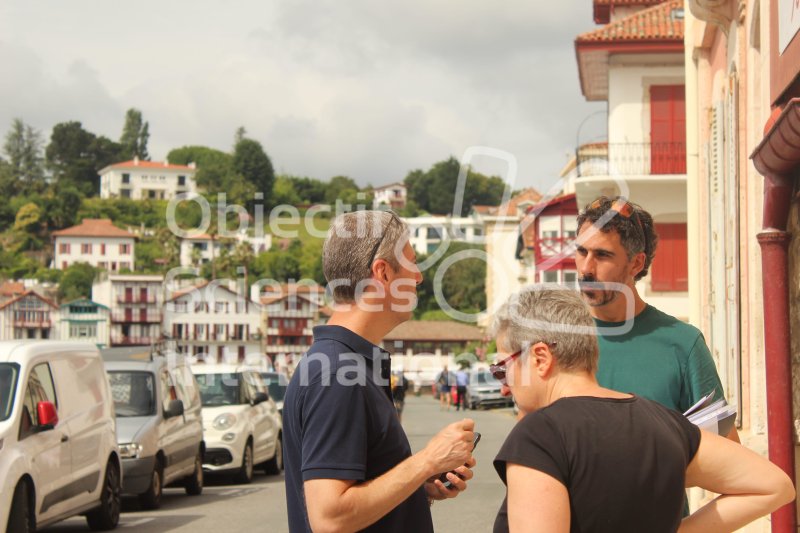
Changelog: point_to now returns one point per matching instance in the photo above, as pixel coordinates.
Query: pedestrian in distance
(643, 350)
(588, 458)
(462, 380)
(443, 382)
(348, 462)
(399, 389)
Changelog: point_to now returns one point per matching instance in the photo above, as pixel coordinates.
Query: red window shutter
(667, 129)
(670, 269)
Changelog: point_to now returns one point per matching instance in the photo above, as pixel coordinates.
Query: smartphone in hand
(443, 477)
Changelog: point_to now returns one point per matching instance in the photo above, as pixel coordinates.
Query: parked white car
(57, 435)
(241, 424)
(159, 427)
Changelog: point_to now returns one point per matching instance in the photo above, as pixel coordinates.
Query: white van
(58, 445)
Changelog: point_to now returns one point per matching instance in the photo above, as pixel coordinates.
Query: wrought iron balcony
(631, 159)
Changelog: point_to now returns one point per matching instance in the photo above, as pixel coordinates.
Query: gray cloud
(366, 89)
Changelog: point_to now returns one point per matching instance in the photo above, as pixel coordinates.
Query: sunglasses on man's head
(622, 207)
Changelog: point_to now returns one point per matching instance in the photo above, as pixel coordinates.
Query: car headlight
(224, 421)
(130, 450)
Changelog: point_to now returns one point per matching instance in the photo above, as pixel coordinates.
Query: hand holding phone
(443, 477)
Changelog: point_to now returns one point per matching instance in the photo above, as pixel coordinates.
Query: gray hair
(554, 315)
(355, 240)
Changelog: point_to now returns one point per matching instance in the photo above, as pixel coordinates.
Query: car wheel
(245, 474)
(275, 465)
(194, 483)
(20, 516)
(106, 516)
(151, 499)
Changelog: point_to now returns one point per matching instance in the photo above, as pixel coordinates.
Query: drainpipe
(777, 158)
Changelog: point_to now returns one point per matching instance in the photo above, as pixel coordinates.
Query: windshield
(133, 393)
(219, 389)
(8, 385)
(486, 378)
(276, 385)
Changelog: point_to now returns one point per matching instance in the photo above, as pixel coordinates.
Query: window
(103, 249)
(63, 248)
(133, 393)
(181, 181)
(80, 331)
(168, 391)
(550, 276)
(570, 279)
(124, 249)
(86, 248)
(40, 389)
(126, 179)
(670, 268)
(125, 193)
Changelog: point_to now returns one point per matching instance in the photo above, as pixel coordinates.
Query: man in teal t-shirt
(642, 350)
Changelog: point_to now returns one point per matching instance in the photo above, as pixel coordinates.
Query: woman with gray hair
(586, 458)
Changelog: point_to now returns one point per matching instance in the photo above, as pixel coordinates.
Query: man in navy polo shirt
(348, 461)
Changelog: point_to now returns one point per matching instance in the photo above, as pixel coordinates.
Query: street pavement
(261, 506)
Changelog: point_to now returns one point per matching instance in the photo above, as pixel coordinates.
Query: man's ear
(381, 271)
(543, 359)
(637, 264)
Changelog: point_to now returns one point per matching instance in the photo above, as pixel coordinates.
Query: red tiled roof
(434, 330)
(29, 292)
(509, 209)
(11, 288)
(655, 23)
(94, 227)
(149, 164)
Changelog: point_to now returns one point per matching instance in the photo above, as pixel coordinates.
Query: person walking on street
(443, 382)
(643, 350)
(462, 380)
(399, 389)
(348, 462)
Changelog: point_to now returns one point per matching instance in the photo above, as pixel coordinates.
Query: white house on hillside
(96, 241)
(393, 196)
(197, 250)
(141, 180)
(428, 232)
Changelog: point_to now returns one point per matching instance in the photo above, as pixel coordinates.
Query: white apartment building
(428, 232)
(212, 323)
(27, 316)
(394, 196)
(197, 250)
(84, 320)
(96, 241)
(142, 180)
(135, 302)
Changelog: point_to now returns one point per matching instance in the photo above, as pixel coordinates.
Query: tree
(344, 189)
(250, 160)
(62, 208)
(214, 167)
(135, 134)
(23, 147)
(76, 282)
(28, 219)
(283, 192)
(74, 156)
(434, 191)
(463, 285)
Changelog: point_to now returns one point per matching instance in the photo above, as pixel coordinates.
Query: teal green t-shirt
(661, 358)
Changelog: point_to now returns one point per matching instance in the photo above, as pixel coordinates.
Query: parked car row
(77, 433)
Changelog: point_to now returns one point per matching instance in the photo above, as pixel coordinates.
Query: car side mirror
(48, 417)
(260, 397)
(175, 409)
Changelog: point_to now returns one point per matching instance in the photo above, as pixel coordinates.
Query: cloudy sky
(356, 87)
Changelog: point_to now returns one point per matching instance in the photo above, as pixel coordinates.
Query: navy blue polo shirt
(339, 422)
